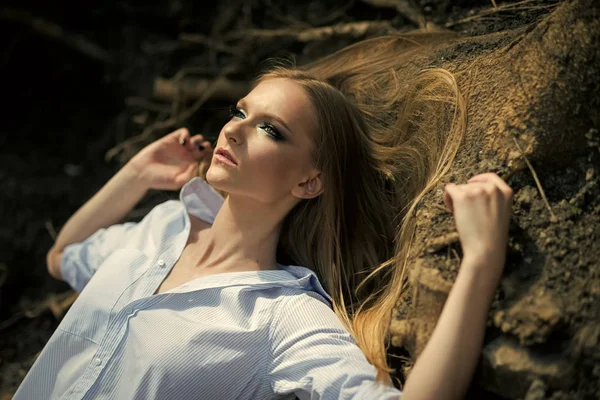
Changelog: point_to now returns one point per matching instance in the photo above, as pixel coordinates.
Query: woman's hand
(482, 209)
(171, 161)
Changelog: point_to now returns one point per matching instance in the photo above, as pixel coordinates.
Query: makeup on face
(271, 130)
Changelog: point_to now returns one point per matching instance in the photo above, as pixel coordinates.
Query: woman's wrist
(483, 271)
(133, 176)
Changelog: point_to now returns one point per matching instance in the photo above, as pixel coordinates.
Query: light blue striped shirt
(238, 335)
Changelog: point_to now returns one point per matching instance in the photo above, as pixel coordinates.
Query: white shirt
(236, 335)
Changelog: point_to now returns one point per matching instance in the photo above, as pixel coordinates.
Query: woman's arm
(445, 367)
(107, 207)
(166, 164)
(482, 210)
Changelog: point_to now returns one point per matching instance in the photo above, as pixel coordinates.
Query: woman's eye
(235, 112)
(272, 131)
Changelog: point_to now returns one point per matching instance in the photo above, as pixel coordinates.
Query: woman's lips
(226, 153)
(221, 158)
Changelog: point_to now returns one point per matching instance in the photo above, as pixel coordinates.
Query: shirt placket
(114, 335)
(117, 325)
(165, 262)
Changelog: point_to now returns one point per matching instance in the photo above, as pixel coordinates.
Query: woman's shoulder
(303, 297)
(309, 306)
(308, 283)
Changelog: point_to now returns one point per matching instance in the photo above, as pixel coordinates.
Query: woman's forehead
(285, 99)
(279, 93)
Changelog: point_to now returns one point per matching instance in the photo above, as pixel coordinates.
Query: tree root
(353, 30)
(223, 89)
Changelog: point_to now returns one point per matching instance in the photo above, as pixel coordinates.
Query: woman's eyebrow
(242, 103)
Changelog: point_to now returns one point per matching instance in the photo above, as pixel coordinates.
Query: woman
(257, 295)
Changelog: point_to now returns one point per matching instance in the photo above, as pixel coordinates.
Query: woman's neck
(243, 236)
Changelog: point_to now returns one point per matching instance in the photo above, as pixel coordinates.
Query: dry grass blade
(504, 7)
(553, 217)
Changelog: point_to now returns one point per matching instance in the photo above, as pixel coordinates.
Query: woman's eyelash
(271, 130)
(234, 111)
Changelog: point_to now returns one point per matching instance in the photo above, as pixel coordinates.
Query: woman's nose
(234, 132)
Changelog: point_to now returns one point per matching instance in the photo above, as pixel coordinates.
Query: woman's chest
(185, 268)
(198, 351)
(181, 273)
(194, 342)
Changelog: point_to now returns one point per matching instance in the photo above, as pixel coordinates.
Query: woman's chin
(217, 179)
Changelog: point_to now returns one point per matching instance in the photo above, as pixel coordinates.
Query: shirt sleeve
(315, 357)
(80, 260)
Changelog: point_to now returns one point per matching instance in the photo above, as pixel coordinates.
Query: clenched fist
(482, 210)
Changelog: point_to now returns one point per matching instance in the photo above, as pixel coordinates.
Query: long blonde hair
(388, 132)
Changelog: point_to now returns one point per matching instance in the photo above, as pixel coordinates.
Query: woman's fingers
(448, 192)
(480, 213)
(182, 135)
(487, 181)
(493, 177)
(199, 143)
(186, 175)
(196, 144)
(199, 147)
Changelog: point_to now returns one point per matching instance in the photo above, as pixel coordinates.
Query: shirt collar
(202, 201)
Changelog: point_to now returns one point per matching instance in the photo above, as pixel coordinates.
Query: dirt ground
(77, 94)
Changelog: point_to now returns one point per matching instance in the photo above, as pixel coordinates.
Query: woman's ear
(310, 188)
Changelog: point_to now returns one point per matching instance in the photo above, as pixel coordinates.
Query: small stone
(498, 318)
(589, 174)
(562, 252)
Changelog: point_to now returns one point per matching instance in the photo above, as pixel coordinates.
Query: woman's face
(270, 135)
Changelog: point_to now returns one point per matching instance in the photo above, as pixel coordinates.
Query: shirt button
(161, 263)
(98, 361)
